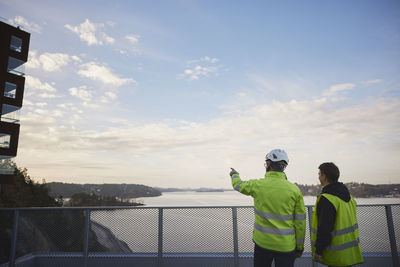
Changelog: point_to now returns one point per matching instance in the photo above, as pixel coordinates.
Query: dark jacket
(326, 214)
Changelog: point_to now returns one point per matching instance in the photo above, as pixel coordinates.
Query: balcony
(167, 236)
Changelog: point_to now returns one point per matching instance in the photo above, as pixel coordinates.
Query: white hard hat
(277, 155)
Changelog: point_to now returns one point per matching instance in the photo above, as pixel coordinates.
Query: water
(229, 198)
(209, 230)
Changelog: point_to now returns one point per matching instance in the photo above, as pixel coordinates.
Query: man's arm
(244, 187)
(326, 213)
(300, 224)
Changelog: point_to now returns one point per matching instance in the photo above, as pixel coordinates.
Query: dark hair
(330, 170)
(278, 166)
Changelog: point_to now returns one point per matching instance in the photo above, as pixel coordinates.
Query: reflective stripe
(235, 176)
(300, 241)
(273, 216)
(275, 231)
(345, 230)
(300, 217)
(238, 186)
(340, 232)
(344, 246)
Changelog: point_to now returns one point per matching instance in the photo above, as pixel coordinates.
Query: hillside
(122, 191)
(358, 190)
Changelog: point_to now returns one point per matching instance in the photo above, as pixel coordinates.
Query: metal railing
(167, 232)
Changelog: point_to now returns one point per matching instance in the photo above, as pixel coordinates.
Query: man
(280, 218)
(334, 228)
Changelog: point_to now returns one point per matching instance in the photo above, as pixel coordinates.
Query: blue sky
(174, 93)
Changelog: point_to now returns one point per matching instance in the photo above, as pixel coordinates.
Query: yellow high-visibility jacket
(280, 216)
(344, 249)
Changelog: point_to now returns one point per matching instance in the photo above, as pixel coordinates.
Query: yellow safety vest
(280, 216)
(344, 249)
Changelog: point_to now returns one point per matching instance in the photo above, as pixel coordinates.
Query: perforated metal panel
(198, 230)
(137, 228)
(245, 229)
(201, 233)
(307, 238)
(396, 223)
(6, 225)
(50, 231)
(373, 230)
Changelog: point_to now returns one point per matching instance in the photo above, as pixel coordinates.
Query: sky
(175, 93)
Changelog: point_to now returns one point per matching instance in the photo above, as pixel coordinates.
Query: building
(14, 47)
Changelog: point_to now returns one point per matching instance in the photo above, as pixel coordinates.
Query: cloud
(102, 73)
(311, 131)
(81, 93)
(41, 104)
(29, 26)
(49, 61)
(108, 96)
(91, 33)
(335, 89)
(372, 82)
(133, 38)
(197, 69)
(47, 95)
(33, 83)
(132, 46)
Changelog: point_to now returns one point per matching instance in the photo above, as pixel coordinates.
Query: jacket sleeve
(244, 187)
(326, 213)
(300, 222)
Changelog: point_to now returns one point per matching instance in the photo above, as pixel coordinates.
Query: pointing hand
(233, 171)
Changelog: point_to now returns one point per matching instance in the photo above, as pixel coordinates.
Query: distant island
(121, 191)
(359, 190)
(129, 191)
(204, 190)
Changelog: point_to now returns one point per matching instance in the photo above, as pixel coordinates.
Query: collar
(275, 175)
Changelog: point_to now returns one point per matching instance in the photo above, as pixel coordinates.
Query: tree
(24, 192)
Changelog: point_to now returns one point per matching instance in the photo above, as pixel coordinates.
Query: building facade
(14, 47)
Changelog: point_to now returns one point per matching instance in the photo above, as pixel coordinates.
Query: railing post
(14, 238)
(235, 238)
(160, 237)
(310, 211)
(392, 237)
(86, 238)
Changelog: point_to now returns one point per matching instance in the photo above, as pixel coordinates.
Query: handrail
(87, 210)
(156, 207)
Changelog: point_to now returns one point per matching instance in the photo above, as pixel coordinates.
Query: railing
(163, 236)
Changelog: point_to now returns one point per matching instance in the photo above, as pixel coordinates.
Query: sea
(229, 198)
(201, 222)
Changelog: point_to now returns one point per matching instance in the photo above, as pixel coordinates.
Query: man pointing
(279, 211)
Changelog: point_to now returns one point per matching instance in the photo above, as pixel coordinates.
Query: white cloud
(29, 26)
(53, 62)
(41, 104)
(81, 93)
(200, 68)
(91, 33)
(335, 89)
(133, 38)
(47, 95)
(102, 73)
(204, 59)
(107, 97)
(372, 82)
(311, 131)
(49, 61)
(76, 59)
(110, 95)
(33, 83)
